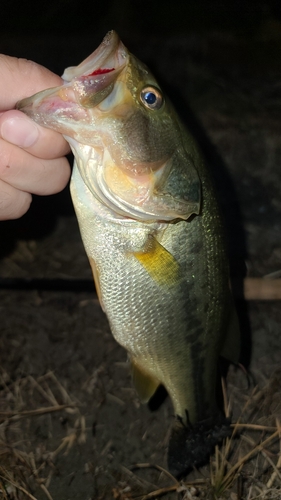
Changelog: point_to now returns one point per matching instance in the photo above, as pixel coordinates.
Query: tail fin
(191, 446)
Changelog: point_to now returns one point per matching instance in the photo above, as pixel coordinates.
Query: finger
(28, 173)
(21, 78)
(13, 203)
(19, 129)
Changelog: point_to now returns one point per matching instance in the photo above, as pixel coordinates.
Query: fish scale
(152, 230)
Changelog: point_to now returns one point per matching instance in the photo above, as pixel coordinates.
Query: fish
(153, 232)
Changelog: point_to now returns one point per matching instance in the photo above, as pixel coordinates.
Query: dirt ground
(84, 426)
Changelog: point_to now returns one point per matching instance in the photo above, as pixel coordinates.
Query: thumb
(21, 78)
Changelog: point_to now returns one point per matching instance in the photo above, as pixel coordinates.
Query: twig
(14, 415)
(278, 465)
(246, 457)
(137, 479)
(18, 487)
(155, 466)
(63, 391)
(40, 389)
(254, 427)
(159, 493)
(43, 487)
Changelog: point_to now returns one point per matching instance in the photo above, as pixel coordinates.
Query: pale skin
(32, 158)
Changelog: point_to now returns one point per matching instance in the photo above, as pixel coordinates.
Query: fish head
(124, 133)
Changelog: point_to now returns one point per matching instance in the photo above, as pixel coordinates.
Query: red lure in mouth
(101, 71)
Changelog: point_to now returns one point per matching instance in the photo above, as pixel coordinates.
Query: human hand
(31, 157)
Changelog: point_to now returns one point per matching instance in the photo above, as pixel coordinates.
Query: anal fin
(144, 383)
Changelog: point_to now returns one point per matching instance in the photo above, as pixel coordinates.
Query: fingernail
(19, 131)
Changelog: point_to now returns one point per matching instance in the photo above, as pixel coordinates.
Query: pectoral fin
(144, 384)
(159, 263)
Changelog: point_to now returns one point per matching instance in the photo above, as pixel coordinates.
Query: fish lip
(111, 51)
(36, 99)
(48, 109)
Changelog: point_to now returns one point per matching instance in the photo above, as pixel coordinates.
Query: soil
(56, 345)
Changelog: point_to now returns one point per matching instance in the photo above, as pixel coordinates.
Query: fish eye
(151, 98)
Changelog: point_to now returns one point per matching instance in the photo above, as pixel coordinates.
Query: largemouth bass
(152, 230)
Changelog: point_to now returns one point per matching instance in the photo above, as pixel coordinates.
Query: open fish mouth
(110, 55)
(84, 87)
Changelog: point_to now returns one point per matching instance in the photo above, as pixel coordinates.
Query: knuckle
(13, 203)
(29, 68)
(5, 162)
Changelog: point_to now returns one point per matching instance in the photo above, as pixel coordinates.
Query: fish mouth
(111, 53)
(84, 87)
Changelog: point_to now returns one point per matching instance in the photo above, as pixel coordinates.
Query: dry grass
(235, 462)
(246, 466)
(23, 470)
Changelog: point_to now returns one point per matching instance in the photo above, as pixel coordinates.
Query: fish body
(152, 230)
